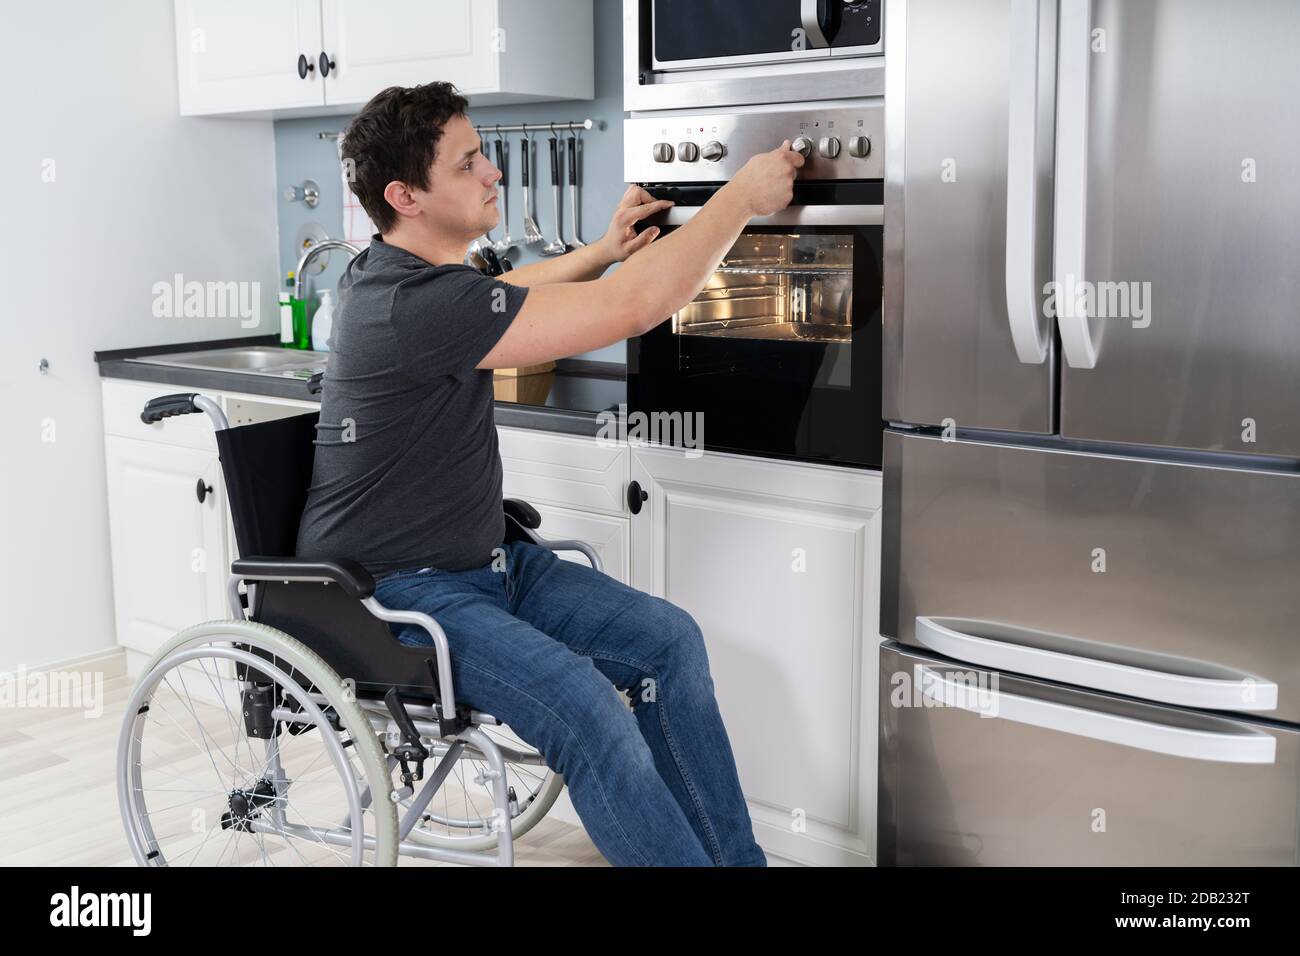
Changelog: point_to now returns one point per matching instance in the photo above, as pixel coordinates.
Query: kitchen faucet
(323, 246)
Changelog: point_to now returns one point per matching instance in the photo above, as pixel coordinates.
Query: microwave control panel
(842, 142)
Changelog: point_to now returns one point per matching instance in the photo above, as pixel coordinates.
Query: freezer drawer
(1169, 582)
(982, 772)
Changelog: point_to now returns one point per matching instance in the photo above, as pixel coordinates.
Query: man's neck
(435, 250)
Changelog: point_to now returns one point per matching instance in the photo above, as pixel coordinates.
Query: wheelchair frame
(401, 724)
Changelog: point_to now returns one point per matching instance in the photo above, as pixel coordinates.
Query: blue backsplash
(301, 154)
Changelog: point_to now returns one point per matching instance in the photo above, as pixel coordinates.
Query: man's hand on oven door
(622, 239)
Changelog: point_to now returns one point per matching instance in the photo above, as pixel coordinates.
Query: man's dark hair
(395, 137)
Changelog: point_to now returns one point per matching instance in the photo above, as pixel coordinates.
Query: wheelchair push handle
(182, 403)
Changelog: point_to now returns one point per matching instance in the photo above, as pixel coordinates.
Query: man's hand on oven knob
(766, 182)
(803, 146)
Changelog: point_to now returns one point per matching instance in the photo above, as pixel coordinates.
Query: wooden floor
(58, 802)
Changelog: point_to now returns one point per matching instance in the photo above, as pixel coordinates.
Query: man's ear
(397, 195)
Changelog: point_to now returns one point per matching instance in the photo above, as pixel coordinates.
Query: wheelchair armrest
(355, 580)
(522, 512)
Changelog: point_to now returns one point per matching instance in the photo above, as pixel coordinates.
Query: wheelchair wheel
(460, 814)
(241, 746)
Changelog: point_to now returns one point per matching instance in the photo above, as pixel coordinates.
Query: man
(408, 478)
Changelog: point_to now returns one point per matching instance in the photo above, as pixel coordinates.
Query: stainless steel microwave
(688, 54)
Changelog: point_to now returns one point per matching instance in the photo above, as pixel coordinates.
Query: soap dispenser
(322, 324)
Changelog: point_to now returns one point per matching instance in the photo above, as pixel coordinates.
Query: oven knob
(713, 151)
(663, 152)
(803, 146)
(829, 147)
(859, 146)
(687, 152)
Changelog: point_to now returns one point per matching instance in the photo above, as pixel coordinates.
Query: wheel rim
(199, 791)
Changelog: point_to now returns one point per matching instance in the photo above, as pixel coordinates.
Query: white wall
(138, 194)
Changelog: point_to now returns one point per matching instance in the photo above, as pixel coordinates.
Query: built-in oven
(780, 354)
(710, 53)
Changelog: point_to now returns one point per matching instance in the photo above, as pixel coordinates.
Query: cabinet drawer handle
(636, 495)
(202, 491)
(305, 66)
(326, 64)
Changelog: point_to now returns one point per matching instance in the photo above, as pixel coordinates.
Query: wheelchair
(298, 731)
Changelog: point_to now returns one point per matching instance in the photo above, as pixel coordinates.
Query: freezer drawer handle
(1258, 748)
(1023, 137)
(1245, 693)
(1071, 225)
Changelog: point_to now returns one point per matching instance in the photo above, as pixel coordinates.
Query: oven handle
(789, 216)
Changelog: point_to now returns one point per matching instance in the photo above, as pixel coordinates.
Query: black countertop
(579, 392)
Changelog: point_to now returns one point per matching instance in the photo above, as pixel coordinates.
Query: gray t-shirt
(407, 472)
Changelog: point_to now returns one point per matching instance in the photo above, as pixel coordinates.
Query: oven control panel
(843, 142)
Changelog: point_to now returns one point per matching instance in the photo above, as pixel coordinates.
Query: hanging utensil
(505, 243)
(532, 234)
(556, 248)
(573, 191)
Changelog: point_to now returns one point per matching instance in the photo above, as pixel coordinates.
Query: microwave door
(968, 141)
(1181, 226)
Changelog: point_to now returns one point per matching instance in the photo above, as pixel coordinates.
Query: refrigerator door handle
(1245, 693)
(1248, 747)
(1027, 332)
(1073, 59)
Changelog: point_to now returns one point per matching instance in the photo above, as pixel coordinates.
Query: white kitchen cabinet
(579, 487)
(779, 564)
(169, 556)
(241, 57)
(236, 56)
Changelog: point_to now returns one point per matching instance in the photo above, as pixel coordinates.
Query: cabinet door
(242, 55)
(779, 565)
(608, 536)
(380, 43)
(169, 556)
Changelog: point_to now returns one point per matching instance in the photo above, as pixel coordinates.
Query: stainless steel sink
(249, 360)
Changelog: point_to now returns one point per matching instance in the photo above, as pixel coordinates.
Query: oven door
(779, 355)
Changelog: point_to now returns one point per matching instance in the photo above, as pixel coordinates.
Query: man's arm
(580, 265)
(591, 261)
(568, 318)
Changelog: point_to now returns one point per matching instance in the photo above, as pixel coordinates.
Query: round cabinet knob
(713, 151)
(803, 146)
(829, 147)
(859, 146)
(688, 152)
(663, 152)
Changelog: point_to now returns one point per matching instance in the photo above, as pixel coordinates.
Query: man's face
(462, 197)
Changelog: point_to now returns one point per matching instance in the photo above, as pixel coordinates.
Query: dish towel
(357, 227)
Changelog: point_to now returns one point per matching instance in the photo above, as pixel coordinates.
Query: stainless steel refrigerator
(1091, 588)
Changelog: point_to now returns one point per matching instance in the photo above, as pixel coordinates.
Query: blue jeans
(541, 644)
